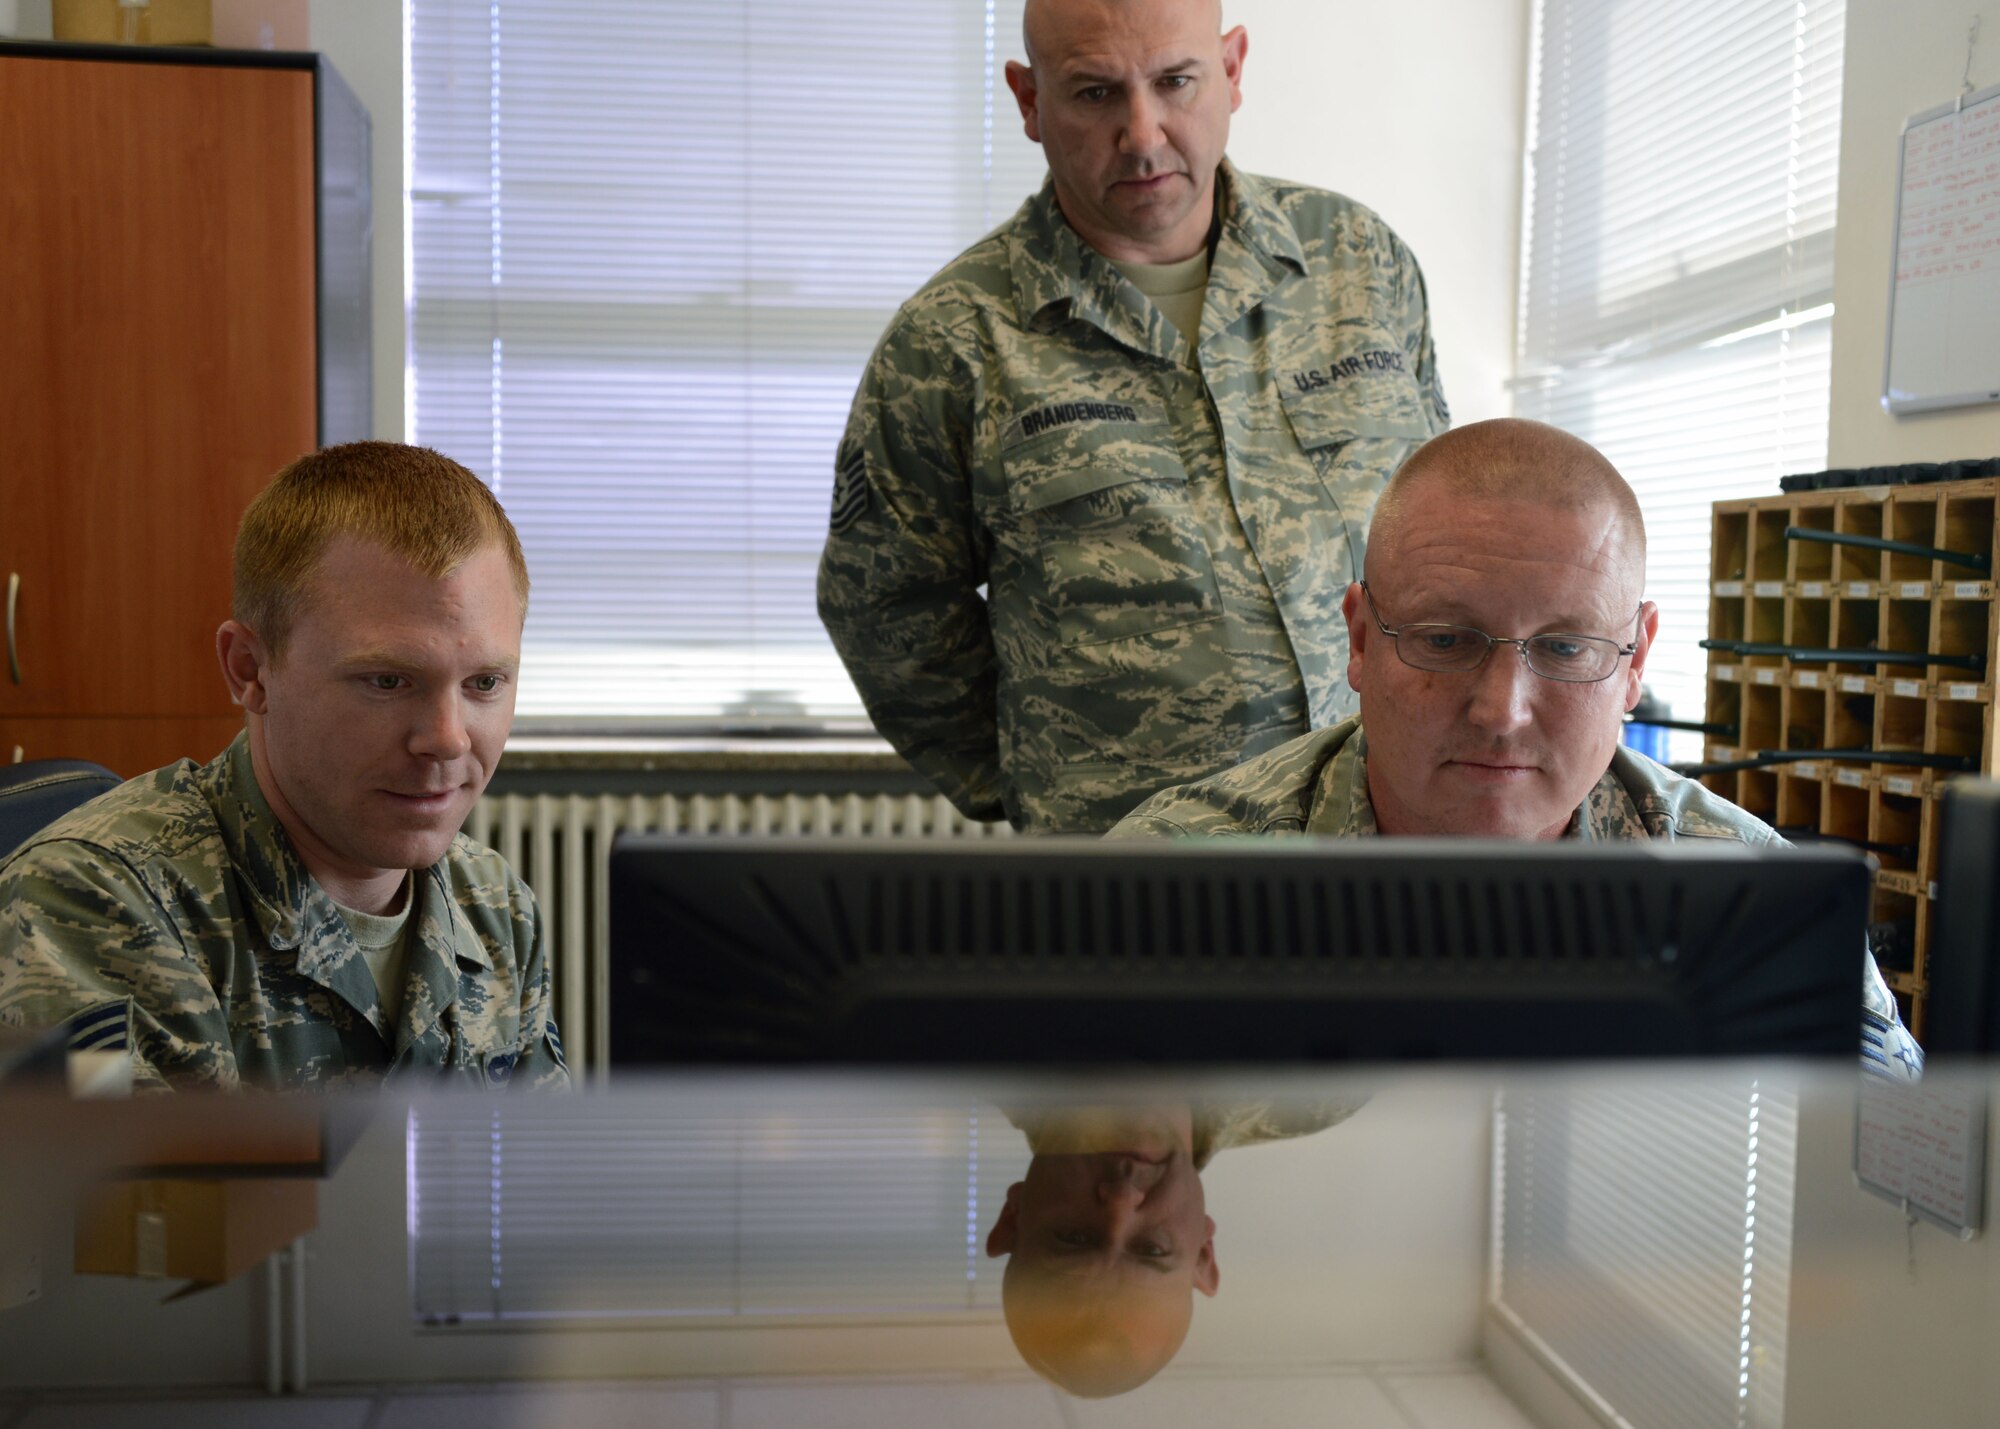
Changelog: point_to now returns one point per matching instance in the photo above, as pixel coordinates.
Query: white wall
(1890, 1323)
(1903, 56)
(1417, 110)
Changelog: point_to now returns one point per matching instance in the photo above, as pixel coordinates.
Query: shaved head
(1130, 101)
(1041, 19)
(1512, 460)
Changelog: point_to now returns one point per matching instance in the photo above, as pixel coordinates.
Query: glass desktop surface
(1758, 1244)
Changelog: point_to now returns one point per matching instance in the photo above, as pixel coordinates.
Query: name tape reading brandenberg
(1063, 413)
(1376, 360)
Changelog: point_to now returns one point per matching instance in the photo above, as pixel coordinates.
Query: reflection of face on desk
(1108, 1239)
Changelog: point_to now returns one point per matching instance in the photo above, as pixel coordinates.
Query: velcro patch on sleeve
(850, 487)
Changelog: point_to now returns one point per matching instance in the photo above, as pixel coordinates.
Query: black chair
(40, 791)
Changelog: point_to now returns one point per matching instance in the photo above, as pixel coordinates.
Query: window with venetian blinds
(1677, 263)
(700, 1206)
(1676, 311)
(1644, 1240)
(652, 244)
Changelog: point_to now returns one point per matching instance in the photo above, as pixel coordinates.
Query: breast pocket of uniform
(1357, 433)
(1121, 550)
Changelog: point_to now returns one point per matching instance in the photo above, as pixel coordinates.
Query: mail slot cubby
(1767, 627)
(1959, 727)
(1913, 519)
(1904, 725)
(1895, 829)
(1729, 545)
(1763, 724)
(1851, 721)
(1804, 719)
(1967, 526)
(1809, 626)
(1800, 798)
(1812, 560)
(1729, 619)
(1757, 793)
(1906, 629)
(1858, 563)
(1725, 707)
(1770, 552)
(1963, 628)
(1857, 625)
(1844, 812)
(1893, 906)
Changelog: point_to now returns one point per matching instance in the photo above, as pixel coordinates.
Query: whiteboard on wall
(1944, 290)
(1923, 1146)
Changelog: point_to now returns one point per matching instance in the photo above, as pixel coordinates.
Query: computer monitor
(879, 951)
(1962, 1014)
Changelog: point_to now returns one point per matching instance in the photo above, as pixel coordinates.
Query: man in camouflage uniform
(1109, 473)
(1108, 1237)
(1503, 525)
(302, 911)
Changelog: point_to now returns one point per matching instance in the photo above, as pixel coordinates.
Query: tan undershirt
(385, 946)
(1177, 289)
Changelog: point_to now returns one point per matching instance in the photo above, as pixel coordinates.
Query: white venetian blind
(594, 1207)
(1644, 1245)
(1677, 263)
(652, 244)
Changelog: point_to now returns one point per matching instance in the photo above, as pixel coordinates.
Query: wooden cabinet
(163, 230)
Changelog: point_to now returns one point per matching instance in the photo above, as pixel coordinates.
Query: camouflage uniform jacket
(1218, 1126)
(171, 917)
(1163, 530)
(1319, 785)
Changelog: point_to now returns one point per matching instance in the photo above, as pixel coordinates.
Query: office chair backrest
(37, 793)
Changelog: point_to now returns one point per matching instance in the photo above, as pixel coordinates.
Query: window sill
(712, 754)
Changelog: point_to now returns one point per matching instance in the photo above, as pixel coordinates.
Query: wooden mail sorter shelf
(1852, 634)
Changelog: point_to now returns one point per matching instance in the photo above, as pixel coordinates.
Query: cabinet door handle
(13, 647)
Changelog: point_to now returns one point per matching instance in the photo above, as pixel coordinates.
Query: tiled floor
(1391, 1397)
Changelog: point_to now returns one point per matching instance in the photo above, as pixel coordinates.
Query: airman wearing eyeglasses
(1496, 641)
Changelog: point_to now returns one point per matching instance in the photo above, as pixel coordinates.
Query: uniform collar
(293, 913)
(278, 888)
(1257, 253)
(1606, 811)
(1341, 807)
(1056, 273)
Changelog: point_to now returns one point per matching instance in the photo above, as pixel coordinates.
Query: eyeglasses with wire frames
(1572, 659)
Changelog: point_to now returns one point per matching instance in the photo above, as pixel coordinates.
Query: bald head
(1091, 1339)
(1509, 460)
(1045, 24)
